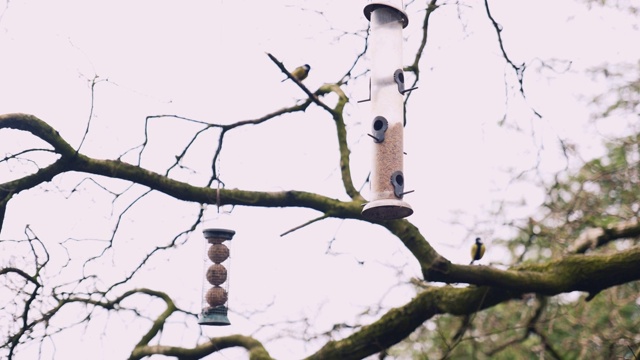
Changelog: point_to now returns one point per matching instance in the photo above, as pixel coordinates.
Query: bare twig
(303, 225)
(311, 95)
(518, 69)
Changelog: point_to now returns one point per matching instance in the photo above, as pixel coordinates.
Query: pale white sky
(206, 60)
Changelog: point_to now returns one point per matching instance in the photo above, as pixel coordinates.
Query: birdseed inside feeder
(387, 105)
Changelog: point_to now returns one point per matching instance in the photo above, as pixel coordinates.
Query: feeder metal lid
(371, 7)
(218, 233)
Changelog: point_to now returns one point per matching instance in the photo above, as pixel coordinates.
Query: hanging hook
(218, 197)
(368, 99)
(218, 205)
(218, 201)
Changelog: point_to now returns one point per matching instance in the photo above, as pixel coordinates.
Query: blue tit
(300, 73)
(477, 250)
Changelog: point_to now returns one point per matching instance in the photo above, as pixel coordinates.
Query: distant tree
(583, 239)
(592, 212)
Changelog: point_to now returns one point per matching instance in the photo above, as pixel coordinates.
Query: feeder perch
(387, 87)
(379, 127)
(398, 77)
(216, 286)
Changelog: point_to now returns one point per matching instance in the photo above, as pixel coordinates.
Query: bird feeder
(216, 287)
(387, 92)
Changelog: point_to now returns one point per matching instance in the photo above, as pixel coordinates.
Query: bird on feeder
(477, 250)
(300, 73)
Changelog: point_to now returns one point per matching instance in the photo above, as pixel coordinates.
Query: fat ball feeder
(215, 292)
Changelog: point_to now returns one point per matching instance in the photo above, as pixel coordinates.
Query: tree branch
(415, 67)
(593, 238)
(311, 95)
(9, 270)
(591, 274)
(39, 128)
(255, 348)
(341, 128)
(518, 69)
(177, 189)
(400, 322)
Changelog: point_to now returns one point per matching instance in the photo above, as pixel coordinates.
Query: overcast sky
(206, 60)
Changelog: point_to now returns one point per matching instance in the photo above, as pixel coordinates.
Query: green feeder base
(216, 316)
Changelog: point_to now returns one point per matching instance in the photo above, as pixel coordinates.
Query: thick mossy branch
(187, 192)
(39, 128)
(593, 238)
(71, 161)
(143, 349)
(590, 273)
(411, 237)
(45, 132)
(399, 323)
(253, 346)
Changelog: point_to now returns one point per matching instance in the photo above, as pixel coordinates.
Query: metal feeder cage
(215, 286)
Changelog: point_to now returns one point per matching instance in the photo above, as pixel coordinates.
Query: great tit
(477, 250)
(300, 73)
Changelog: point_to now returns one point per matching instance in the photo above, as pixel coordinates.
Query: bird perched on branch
(477, 250)
(300, 73)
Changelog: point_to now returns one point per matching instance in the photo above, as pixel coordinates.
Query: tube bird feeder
(216, 286)
(387, 89)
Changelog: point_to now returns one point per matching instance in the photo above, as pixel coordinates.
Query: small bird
(300, 73)
(477, 250)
